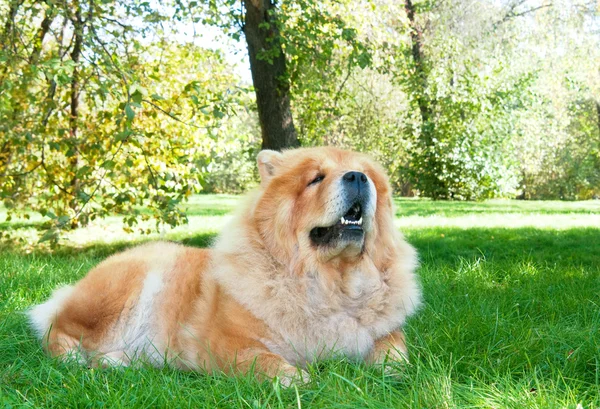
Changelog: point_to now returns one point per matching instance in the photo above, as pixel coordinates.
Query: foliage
(484, 94)
(323, 49)
(465, 151)
(569, 167)
(566, 164)
(481, 92)
(229, 162)
(106, 108)
(101, 114)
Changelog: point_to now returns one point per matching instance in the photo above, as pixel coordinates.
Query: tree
(87, 113)
(283, 41)
(427, 160)
(269, 75)
(454, 154)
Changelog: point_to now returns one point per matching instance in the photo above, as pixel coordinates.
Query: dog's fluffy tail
(42, 316)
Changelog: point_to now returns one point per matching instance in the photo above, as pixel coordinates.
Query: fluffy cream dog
(311, 267)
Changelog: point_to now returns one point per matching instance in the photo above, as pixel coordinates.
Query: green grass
(511, 319)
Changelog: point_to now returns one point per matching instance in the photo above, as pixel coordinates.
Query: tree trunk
(427, 165)
(49, 16)
(13, 8)
(269, 75)
(416, 36)
(74, 106)
(598, 115)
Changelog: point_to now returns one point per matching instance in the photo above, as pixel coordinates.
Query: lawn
(511, 318)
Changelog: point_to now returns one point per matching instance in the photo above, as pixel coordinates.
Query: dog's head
(323, 204)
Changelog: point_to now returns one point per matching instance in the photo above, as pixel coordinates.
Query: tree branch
(531, 10)
(512, 13)
(170, 115)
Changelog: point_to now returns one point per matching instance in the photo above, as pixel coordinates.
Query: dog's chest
(344, 321)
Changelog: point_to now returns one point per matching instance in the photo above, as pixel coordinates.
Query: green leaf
(218, 113)
(129, 112)
(137, 97)
(348, 34)
(49, 235)
(62, 220)
(109, 164)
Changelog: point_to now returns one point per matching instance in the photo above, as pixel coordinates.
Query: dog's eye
(316, 180)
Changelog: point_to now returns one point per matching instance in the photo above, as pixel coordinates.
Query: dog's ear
(268, 161)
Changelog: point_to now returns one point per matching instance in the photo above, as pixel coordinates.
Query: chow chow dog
(310, 268)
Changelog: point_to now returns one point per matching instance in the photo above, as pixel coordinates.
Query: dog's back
(125, 307)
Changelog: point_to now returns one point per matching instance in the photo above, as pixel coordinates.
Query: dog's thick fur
(266, 296)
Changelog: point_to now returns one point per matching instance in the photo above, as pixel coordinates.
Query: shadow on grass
(446, 246)
(201, 240)
(519, 299)
(102, 250)
(572, 247)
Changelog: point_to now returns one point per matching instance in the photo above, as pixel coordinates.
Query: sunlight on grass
(210, 213)
(511, 318)
(503, 220)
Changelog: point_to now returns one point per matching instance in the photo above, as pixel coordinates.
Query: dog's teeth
(344, 221)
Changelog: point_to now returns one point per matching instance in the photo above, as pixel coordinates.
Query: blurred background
(131, 107)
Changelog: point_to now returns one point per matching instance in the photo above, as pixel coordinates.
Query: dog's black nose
(355, 177)
(355, 184)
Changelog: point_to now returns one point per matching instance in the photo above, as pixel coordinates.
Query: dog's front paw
(390, 348)
(290, 375)
(392, 355)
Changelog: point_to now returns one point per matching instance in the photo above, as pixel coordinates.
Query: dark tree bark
(7, 37)
(427, 163)
(269, 77)
(41, 35)
(75, 54)
(416, 36)
(74, 105)
(13, 8)
(598, 114)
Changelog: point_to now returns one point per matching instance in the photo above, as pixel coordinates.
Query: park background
(108, 108)
(122, 122)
